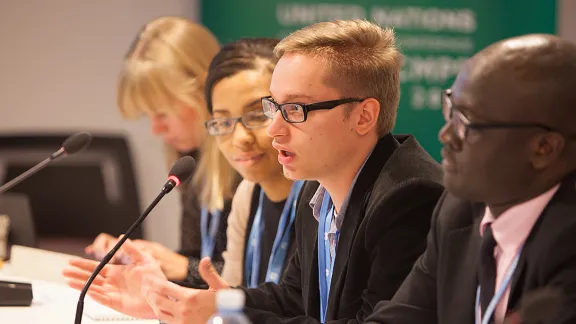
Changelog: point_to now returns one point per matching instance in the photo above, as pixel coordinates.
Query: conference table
(53, 301)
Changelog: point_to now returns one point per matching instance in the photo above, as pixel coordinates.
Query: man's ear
(545, 149)
(368, 112)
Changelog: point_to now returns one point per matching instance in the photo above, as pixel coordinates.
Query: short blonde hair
(362, 57)
(166, 63)
(165, 67)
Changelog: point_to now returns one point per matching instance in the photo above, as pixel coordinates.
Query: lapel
(461, 261)
(554, 207)
(354, 214)
(313, 297)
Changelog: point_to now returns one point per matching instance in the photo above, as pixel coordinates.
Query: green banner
(436, 36)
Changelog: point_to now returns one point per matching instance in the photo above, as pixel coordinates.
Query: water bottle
(230, 303)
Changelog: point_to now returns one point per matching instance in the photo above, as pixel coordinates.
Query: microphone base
(15, 294)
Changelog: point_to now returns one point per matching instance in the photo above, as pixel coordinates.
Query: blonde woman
(162, 78)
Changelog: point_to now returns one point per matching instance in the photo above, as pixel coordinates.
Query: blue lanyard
(505, 283)
(325, 262)
(281, 241)
(209, 235)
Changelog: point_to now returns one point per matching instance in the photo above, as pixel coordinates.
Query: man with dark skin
(506, 225)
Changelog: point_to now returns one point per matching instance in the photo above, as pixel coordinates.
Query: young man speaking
(363, 217)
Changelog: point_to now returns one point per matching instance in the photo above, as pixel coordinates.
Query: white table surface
(52, 303)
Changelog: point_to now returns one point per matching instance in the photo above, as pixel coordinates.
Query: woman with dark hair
(260, 224)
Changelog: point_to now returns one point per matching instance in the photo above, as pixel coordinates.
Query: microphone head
(183, 168)
(542, 305)
(76, 142)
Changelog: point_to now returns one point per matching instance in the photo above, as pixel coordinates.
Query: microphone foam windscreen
(76, 142)
(183, 168)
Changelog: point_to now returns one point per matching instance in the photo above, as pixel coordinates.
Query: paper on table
(38, 264)
(99, 312)
(50, 293)
(47, 293)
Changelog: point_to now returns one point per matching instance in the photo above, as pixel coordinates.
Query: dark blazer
(383, 233)
(442, 286)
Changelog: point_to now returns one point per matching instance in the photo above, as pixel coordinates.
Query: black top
(191, 237)
(271, 213)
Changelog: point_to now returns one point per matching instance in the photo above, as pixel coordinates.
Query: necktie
(487, 271)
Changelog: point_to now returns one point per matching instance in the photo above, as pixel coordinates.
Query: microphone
(537, 307)
(73, 144)
(180, 172)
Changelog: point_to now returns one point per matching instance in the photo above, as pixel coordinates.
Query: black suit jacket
(383, 233)
(442, 286)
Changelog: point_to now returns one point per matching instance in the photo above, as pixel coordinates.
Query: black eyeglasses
(297, 112)
(251, 120)
(460, 124)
